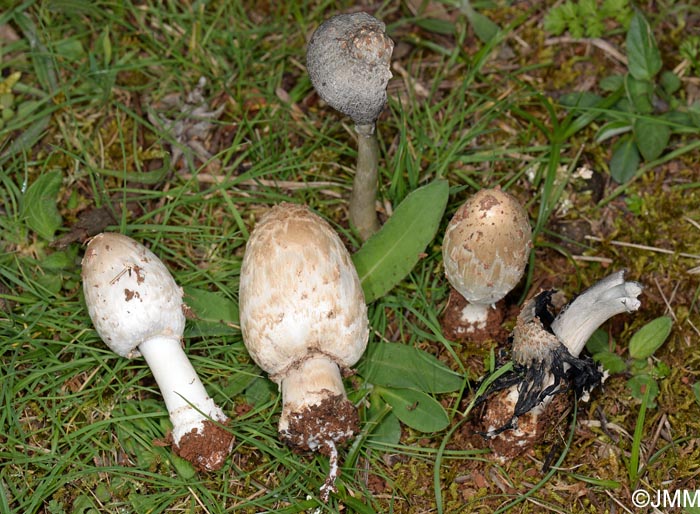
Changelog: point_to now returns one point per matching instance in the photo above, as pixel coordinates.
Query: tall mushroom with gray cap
(348, 59)
(523, 404)
(136, 307)
(304, 321)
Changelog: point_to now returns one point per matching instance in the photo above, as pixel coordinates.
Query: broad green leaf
(639, 384)
(214, 313)
(183, 467)
(390, 254)
(39, 204)
(650, 337)
(51, 281)
(484, 28)
(382, 426)
(580, 99)
(83, 505)
(640, 94)
(643, 57)
(59, 260)
(260, 391)
(612, 82)
(388, 430)
(70, 49)
(612, 129)
(670, 82)
(415, 409)
(208, 306)
(612, 362)
(652, 137)
(239, 382)
(598, 342)
(640, 366)
(625, 160)
(696, 391)
(400, 365)
(694, 112)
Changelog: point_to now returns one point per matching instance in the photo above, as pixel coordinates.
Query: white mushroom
(304, 320)
(546, 352)
(485, 251)
(136, 307)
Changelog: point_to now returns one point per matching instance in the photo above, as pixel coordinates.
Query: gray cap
(348, 60)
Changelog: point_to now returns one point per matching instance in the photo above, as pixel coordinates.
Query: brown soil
(334, 420)
(207, 451)
(531, 429)
(455, 328)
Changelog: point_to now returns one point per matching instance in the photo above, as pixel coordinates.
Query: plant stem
(363, 215)
(633, 466)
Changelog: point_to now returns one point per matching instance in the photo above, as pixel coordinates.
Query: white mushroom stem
(307, 384)
(606, 298)
(476, 314)
(187, 401)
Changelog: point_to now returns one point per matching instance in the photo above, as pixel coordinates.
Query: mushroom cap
(300, 295)
(486, 246)
(130, 294)
(348, 59)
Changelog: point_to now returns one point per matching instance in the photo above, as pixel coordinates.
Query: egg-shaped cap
(130, 294)
(300, 295)
(486, 246)
(348, 59)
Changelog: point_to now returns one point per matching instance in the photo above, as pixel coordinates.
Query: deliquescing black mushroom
(522, 404)
(348, 60)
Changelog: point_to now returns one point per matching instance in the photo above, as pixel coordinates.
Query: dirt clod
(334, 419)
(206, 449)
(455, 328)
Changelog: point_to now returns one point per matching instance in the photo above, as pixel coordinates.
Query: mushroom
(525, 403)
(304, 321)
(485, 250)
(348, 59)
(137, 309)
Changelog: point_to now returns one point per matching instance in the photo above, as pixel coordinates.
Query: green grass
(80, 427)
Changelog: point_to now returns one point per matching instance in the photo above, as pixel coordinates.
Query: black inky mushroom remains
(546, 350)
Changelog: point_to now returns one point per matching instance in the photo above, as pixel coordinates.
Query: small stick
(645, 247)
